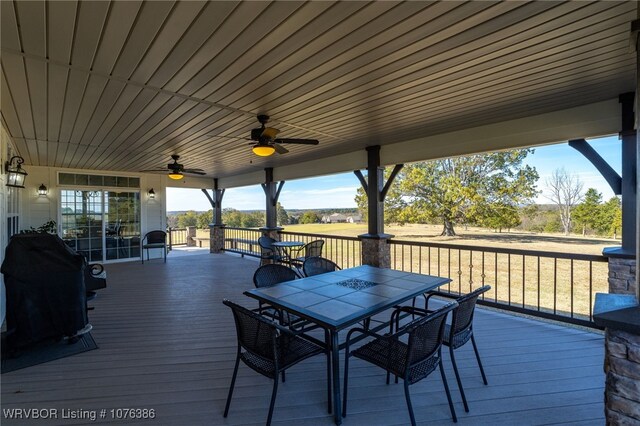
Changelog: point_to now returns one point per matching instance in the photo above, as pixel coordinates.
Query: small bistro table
(340, 299)
(285, 247)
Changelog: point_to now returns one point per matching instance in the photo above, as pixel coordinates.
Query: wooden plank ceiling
(123, 85)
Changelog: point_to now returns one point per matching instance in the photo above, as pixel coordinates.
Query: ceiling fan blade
(270, 132)
(194, 171)
(298, 141)
(153, 171)
(280, 149)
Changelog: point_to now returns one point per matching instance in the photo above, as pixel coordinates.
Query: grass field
(471, 236)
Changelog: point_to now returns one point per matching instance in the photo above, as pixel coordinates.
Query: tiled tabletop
(339, 299)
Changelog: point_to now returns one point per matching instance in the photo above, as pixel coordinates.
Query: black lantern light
(15, 173)
(42, 190)
(151, 193)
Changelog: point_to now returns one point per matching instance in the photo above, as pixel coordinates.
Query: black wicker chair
(272, 274)
(312, 249)
(269, 349)
(152, 240)
(318, 265)
(461, 329)
(413, 361)
(268, 253)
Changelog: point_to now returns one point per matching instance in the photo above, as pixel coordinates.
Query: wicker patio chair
(412, 361)
(460, 331)
(312, 249)
(272, 274)
(268, 253)
(154, 239)
(318, 265)
(269, 349)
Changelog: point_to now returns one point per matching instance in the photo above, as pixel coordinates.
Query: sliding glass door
(101, 225)
(122, 224)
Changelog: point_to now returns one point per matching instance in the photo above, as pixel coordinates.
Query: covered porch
(166, 342)
(97, 91)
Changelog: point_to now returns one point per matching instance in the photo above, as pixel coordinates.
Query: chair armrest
(430, 294)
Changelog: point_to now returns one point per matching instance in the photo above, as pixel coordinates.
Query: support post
(619, 314)
(629, 170)
(375, 247)
(272, 193)
(216, 229)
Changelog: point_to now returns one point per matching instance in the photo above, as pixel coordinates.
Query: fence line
(177, 237)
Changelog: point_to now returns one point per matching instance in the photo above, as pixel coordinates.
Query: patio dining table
(285, 248)
(340, 299)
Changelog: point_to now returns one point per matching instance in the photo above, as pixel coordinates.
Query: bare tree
(565, 192)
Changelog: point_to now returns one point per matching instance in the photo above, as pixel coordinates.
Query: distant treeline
(250, 218)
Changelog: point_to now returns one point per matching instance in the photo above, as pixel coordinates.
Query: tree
(281, 215)
(232, 217)
(189, 218)
(467, 189)
(611, 222)
(588, 214)
(499, 217)
(565, 192)
(204, 219)
(309, 217)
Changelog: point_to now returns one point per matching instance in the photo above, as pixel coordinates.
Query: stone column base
(376, 250)
(216, 238)
(622, 385)
(622, 272)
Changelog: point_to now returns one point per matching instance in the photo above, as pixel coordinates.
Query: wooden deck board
(167, 342)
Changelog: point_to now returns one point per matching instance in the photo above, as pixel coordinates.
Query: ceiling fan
(266, 142)
(177, 170)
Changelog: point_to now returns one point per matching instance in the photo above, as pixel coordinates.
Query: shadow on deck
(168, 343)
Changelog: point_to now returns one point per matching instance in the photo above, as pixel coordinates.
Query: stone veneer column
(216, 238)
(622, 367)
(376, 252)
(191, 236)
(622, 275)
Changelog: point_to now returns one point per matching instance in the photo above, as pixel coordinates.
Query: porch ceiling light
(15, 173)
(42, 190)
(176, 175)
(263, 150)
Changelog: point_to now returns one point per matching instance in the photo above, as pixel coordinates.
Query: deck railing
(554, 285)
(177, 237)
(243, 241)
(559, 286)
(344, 251)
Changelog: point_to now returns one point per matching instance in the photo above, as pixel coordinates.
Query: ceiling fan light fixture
(176, 175)
(263, 150)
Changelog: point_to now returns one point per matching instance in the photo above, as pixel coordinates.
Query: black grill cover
(46, 296)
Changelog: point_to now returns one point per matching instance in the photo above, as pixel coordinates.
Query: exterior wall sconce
(16, 173)
(151, 194)
(42, 190)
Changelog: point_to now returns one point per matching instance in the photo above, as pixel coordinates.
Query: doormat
(46, 352)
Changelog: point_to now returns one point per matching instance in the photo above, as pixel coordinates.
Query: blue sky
(339, 190)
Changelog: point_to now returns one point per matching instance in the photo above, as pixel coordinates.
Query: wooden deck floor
(167, 343)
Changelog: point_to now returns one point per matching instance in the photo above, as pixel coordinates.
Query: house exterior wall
(36, 210)
(4, 238)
